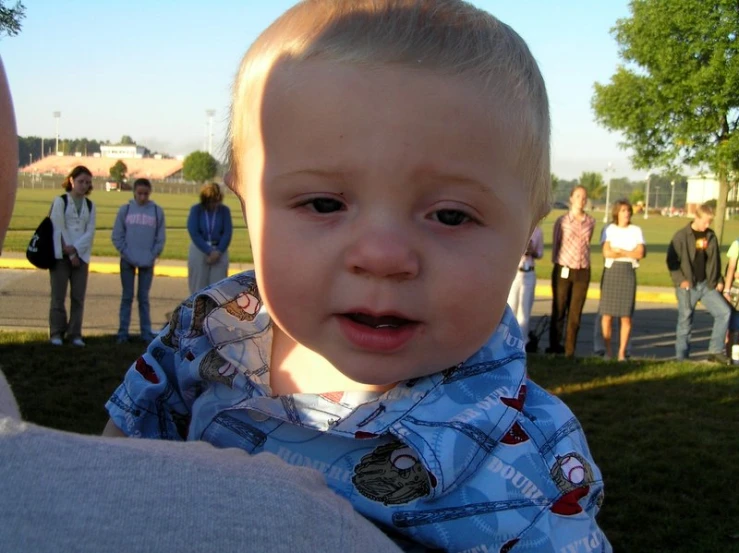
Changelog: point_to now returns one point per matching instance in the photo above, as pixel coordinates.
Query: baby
(392, 160)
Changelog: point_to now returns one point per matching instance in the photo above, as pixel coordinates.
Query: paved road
(24, 304)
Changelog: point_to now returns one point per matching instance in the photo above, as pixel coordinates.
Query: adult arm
(161, 234)
(225, 240)
(716, 276)
(732, 255)
(679, 278)
(9, 156)
(193, 228)
(118, 236)
(83, 245)
(57, 216)
(556, 239)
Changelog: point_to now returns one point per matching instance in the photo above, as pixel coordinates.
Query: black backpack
(40, 250)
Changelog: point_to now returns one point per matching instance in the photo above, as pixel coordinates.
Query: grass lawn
(665, 434)
(32, 205)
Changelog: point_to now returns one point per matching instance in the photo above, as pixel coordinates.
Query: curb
(665, 295)
(642, 296)
(108, 268)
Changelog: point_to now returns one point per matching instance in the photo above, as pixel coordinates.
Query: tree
(199, 167)
(676, 100)
(118, 171)
(593, 183)
(127, 140)
(555, 181)
(11, 17)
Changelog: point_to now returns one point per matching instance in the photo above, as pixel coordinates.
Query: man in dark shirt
(695, 267)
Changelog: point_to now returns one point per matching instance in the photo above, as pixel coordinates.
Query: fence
(48, 181)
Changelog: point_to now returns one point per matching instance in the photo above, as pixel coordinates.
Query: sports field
(33, 205)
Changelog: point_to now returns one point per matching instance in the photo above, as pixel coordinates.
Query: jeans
(711, 299)
(521, 299)
(128, 275)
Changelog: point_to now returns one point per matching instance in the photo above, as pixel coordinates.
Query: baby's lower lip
(382, 339)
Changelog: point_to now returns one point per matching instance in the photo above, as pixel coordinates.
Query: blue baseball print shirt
(476, 458)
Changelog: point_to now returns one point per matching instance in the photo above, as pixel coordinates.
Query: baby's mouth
(381, 322)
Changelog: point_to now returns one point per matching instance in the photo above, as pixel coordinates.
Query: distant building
(704, 188)
(131, 151)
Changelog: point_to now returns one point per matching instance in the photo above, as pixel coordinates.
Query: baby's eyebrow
(324, 174)
(429, 174)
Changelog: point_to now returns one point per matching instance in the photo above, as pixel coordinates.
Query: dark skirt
(618, 290)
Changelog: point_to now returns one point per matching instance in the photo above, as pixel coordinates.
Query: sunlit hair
(704, 209)
(617, 207)
(450, 37)
(211, 193)
(142, 182)
(73, 174)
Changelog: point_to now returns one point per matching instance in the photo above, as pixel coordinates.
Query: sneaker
(56, 341)
(78, 342)
(721, 358)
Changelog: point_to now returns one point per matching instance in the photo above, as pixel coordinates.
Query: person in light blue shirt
(210, 228)
(139, 235)
(391, 174)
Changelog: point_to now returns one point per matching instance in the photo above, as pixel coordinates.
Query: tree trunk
(723, 194)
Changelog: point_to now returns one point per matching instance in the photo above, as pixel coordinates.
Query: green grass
(32, 205)
(665, 434)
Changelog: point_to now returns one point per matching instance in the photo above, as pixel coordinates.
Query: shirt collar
(452, 419)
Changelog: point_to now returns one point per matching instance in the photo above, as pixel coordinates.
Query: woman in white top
(622, 249)
(73, 216)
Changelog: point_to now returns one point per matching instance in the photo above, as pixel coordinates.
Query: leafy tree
(118, 171)
(127, 140)
(593, 183)
(636, 196)
(11, 17)
(199, 167)
(676, 99)
(555, 181)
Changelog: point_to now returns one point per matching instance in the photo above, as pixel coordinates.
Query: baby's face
(385, 216)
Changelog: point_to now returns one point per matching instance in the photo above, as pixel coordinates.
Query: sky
(151, 68)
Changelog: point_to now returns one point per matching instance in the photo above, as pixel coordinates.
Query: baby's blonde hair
(446, 36)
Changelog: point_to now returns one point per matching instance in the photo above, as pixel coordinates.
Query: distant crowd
(139, 235)
(693, 261)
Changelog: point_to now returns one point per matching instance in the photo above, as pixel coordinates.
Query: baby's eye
(324, 205)
(451, 217)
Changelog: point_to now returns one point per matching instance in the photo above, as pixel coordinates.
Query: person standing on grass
(694, 262)
(210, 228)
(731, 294)
(622, 249)
(599, 348)
(73, 217)
(138, 235)
(571, 273)
(521, 294)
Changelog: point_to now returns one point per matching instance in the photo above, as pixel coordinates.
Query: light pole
(646, 197)
(672, 196)
(57, 115)
(210, 113)
(608, 170)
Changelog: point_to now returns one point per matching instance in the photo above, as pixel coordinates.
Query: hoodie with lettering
(138, 233)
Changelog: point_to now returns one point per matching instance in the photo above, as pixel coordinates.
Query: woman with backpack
(73, 217)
